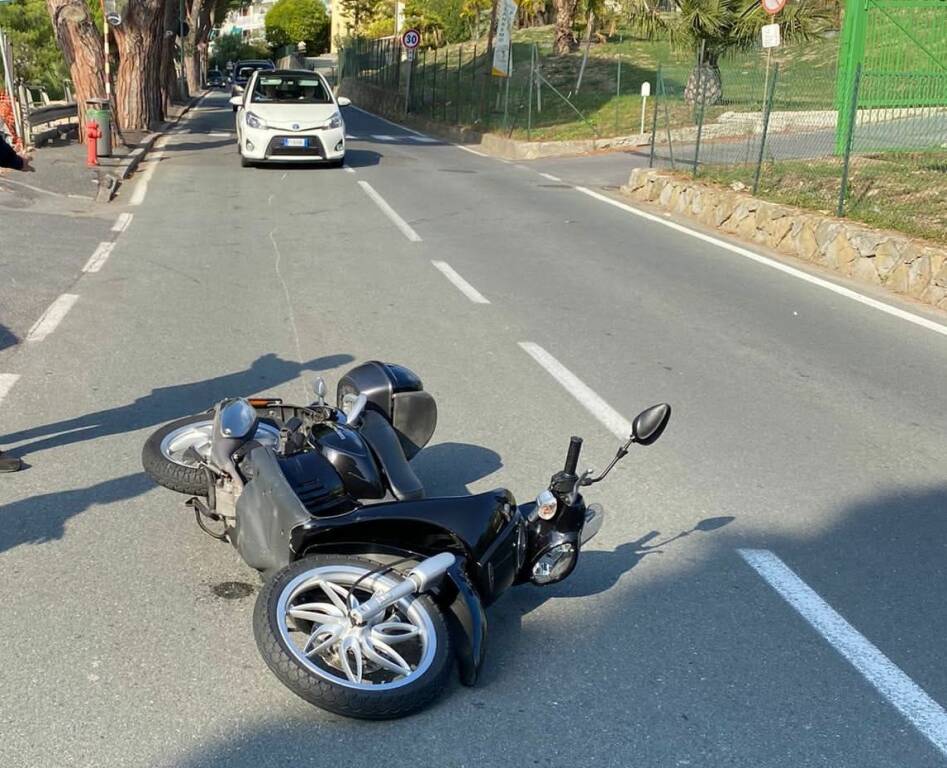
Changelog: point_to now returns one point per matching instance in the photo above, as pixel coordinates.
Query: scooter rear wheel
(167, 454)
(396, 664)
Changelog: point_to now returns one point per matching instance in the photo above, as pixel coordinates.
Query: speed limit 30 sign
(411, 39)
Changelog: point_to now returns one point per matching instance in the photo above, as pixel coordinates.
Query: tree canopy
(291, 21)
(34, 45)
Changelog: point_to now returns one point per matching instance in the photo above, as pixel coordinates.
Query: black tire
(350, 702)
(176, 477)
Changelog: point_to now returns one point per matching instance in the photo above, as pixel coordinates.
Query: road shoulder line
(848, 293)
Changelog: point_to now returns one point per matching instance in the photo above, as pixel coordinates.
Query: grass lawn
(457, 86)
(905, 191)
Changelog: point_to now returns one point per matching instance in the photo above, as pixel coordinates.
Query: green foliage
(726, 24)
(37, 56)
(362, 13)
(232, 48)
(382, 26)
(291, 21)
(439, 21)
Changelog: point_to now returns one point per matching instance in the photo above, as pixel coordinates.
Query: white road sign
(506, 14)
(770, 36)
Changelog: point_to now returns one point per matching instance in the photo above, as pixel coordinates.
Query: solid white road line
(400, 223)
(550, 176)
(425, 140)
(383, 137)
(617, 424)
(462, 285)
(798, 273)
(348, 169)
(385, 120)
(99, 257)
(471, 151)
(904, 694)
(7, 380)
(122, 222)
(53, 315)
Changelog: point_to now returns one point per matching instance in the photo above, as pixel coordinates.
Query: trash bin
(97, 110)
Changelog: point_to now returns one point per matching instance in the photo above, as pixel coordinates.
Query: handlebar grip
(572, 458)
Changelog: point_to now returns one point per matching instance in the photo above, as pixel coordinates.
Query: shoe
(9, 464)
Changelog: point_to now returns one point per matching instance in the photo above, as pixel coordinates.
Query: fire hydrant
(92, 134)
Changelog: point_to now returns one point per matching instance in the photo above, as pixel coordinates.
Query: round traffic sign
(113, 18)
(773, 7)
(411, 39)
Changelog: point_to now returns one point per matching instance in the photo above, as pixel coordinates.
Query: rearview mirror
(344, 101)
(236, 101)
(650, 423)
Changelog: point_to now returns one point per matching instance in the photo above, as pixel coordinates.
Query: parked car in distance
(290, 115)
(242, 71)
(215, 79)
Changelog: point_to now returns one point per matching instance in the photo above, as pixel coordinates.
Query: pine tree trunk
(169, 83)
(138, 84)
(198, 19)
(81, 45)
(565, 41)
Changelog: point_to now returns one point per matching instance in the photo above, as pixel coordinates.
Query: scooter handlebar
(572, 457)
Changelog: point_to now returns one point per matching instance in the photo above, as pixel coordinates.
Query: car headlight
(255, 121)
(334, 122)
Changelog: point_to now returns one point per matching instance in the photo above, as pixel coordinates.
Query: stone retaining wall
(902, 264)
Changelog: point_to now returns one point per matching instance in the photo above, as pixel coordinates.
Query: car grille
(276, 148)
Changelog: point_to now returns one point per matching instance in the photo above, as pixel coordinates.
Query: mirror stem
(622, 452)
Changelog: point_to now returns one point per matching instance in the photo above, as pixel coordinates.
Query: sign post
(410, 40)
(506, 14)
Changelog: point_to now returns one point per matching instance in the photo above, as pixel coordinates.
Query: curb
(110, 182)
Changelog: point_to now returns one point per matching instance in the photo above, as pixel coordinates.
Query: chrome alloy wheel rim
(390, 651)
(199, 434)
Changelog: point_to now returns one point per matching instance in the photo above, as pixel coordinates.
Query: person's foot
(9, 463)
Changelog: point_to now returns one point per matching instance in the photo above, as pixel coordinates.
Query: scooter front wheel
(395, 664)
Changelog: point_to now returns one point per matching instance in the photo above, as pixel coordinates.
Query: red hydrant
(92, 134)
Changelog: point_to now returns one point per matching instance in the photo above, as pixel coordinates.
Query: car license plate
(294, 142)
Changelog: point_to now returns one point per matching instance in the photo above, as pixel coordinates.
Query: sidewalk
(60, 168)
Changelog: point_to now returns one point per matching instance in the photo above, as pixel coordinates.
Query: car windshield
(290, 89)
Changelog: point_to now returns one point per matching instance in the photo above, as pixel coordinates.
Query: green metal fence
(900, 47)
(772, 133)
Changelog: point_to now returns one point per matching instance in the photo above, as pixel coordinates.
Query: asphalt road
(805, 424)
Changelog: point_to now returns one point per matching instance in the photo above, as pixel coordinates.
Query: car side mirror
(650, 423)
(239, 88)
(236, 101)
(344, 101)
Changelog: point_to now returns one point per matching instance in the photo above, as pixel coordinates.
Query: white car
(288, 116)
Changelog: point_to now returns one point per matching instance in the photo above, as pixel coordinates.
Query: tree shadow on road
(166, 403)
(38, 519)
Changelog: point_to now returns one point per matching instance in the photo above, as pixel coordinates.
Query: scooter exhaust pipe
(423, 575)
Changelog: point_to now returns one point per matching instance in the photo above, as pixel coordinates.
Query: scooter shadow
(448, 469)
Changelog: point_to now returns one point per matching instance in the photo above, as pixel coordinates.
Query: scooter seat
(383, 440)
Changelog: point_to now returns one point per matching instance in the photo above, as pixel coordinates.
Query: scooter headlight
(555, 563)
(546, 505)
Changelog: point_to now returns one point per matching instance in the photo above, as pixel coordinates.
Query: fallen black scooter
(371, 590)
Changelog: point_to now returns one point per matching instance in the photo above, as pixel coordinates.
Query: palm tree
(720, 26)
